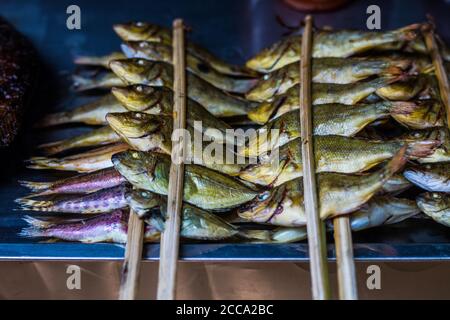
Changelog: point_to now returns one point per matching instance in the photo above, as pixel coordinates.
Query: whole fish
(431, 176)
(144, 31)
(338, 194)
(325, 70)
(378, 211)
(96, 137)
(195, 223)
(100, 201)
(337, 44)
(163, 53)
(106, 227)
(328, 119)
(435, 205)
(103, 80)
(332, 154)
(81, 183)
(442, 153)
(88, 161)
(146, 132)
(348, 94)
(216, 101)
(101, 61)
(159, 101)
(203, 187)
(91, 113)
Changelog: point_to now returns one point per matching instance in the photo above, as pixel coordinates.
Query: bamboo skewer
(171, 235)
(315, 227)
(133, 255)
(344, 258)
(444, 87)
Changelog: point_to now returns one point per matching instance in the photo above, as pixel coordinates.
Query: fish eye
(139, 88)
(143, 44)
(141, 62)
(135, 155)
(428, 167)
(139, 24)
(138, 115)
(144, 194)
(263, 196)
(436, 196)
(416, 134)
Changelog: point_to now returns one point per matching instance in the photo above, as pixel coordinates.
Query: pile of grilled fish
(379, 130)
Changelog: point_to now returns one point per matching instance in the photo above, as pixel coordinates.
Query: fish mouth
(122, 31)
(262, 208)
(127, 163)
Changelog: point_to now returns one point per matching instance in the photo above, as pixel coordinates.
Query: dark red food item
(17, 77)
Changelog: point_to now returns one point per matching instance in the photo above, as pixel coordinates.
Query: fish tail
(52, 148)
(35, 186)
(409, 32)
(89, 61)
(32, 232)
(394, 165)
(421, 149)
(40, 223)
(55, 119)
(259, 235)
(27, 203)
(44, 163)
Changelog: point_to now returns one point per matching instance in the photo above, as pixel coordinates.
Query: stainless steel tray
(232, 29)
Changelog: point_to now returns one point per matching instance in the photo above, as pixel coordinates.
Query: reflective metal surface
(234, 30)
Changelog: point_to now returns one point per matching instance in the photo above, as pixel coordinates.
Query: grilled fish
(442, 153)
(203, 187)
(88, 161)
(433, 177)
(338, 194)
(332, 154)
(163, 53)
(104, 200)
(216, 101)
(325, 70)
(96, 137)
(435, 205)
(337, 44)
(328, 119)
(144, 31)
(82, 183)
(101, 61)
(106, 227)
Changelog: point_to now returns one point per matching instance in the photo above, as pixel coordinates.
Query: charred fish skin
(163, 53)
(434, 177)
(435, 205)
(332, 154)
(144, 31)
(101, 201)
(159, 101)
(203, 187)
(97, 137)
(335, 44)
(106, 227)
(326, 70)
(92, 113)
(17, 77)
(329, 119)
(338, 194)
(82, 183)
(216, 101)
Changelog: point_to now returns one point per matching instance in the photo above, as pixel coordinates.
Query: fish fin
(402, 108)
(38, 223)
(421, 149)
(395, 164)
(32, 232)
(260, 235)
(35, 186)
(409, 32)
(52, 148)
(80, 83)
(25, 202)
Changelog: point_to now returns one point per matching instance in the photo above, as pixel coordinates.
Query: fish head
(427, 176)
(136, 166)
(147, 50)
(137, 97)
(133, 124)
(135, 70)
(139, 31)
(262, 207)
(433, 202)
(143, 201)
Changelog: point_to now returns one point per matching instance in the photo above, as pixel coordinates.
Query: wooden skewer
(315, 227)
(344, 258)
(171, 235)
(133, 254)
(441, 75)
